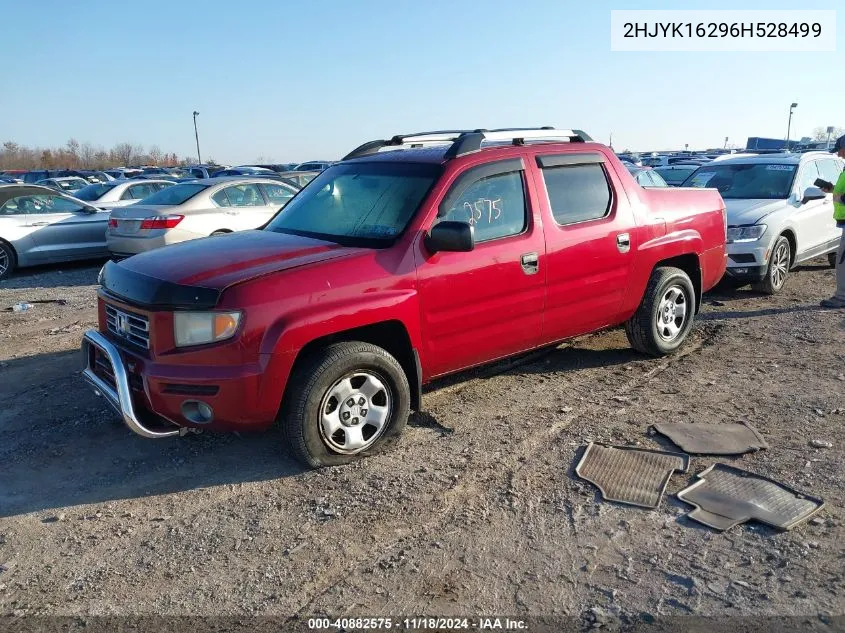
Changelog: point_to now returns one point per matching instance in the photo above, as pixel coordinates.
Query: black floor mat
(725, 496)
(713, 439)
(630, 475)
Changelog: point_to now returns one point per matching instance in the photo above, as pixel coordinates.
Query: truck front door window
(495, 206)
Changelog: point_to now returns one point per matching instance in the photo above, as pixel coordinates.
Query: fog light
(197, 412)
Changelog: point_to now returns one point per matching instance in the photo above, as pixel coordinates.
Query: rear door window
(577, 193)
(247, 195)
(278, 194)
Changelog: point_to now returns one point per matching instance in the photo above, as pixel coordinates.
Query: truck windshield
(358, 204)
(746, 181)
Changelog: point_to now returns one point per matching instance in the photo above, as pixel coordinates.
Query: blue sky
(296, 80)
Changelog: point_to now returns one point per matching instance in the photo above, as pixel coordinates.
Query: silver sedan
(120, 193)
(39, 225)
(196, 209)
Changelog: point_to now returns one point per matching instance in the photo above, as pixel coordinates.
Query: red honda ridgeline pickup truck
(392, 268)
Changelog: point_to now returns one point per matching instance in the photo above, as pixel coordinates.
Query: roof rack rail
(468, 141)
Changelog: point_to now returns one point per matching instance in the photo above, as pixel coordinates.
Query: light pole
(197, 135)
(789, 125)
(829, 132)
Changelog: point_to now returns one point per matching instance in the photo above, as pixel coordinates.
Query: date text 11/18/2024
(417, 624)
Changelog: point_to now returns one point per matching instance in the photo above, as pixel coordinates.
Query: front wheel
(664, 319)
(778, 269)
(344, 401)
(7, 260)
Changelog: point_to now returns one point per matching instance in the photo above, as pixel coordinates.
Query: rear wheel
(664, 319)
(7, 260)
(778, 269)
(344, 401)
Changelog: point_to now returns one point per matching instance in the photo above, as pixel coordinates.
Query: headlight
(746, 233)
(198, 328)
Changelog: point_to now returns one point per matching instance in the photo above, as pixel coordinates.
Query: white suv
(777, 217)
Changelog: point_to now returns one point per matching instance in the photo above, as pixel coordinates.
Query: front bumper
(744, 272)
(118, 395)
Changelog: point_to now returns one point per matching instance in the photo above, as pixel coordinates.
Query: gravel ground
(476, 510)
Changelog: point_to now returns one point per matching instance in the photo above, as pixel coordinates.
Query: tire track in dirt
(469, 487)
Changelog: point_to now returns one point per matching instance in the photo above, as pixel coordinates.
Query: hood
(212, 264)
(742, 212)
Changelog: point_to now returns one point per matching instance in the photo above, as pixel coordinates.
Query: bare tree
(155, 154)
(820, 133)
(86, 156)
(123, 153)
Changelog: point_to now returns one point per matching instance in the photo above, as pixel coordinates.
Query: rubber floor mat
(713, 439)
(636, 476)
(725, 496)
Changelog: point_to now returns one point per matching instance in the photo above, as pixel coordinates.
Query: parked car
(68, 184)
(665, 160)
(645, 177)
(124, 172)
(195, 209)
(39, 225)
(391, 269)
(777, 217)
(277, 167)
(121, 193)
(631, 159)
(94, 176)
(676, 174)
(203, 171)
(245, 171)
(298, 178)
(315, 165)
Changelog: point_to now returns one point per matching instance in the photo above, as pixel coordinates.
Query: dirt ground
(476, 510)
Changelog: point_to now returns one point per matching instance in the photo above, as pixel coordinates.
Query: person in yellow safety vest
(838, 190)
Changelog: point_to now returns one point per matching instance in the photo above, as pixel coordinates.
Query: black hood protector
(148, 292)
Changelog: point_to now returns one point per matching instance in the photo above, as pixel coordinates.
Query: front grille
(130, 327)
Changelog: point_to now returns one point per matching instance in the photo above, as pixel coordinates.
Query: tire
(7, 260)
(361, 372)
(652, 330)
(778, 269)
(831, 259)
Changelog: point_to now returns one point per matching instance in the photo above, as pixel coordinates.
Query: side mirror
(812, 193)
(450, 236)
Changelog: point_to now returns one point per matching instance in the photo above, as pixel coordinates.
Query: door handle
(623, 242)
(530, 263)
(39, 224)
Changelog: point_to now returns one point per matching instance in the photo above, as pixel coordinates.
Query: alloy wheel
(672, 313)
(354, 412)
